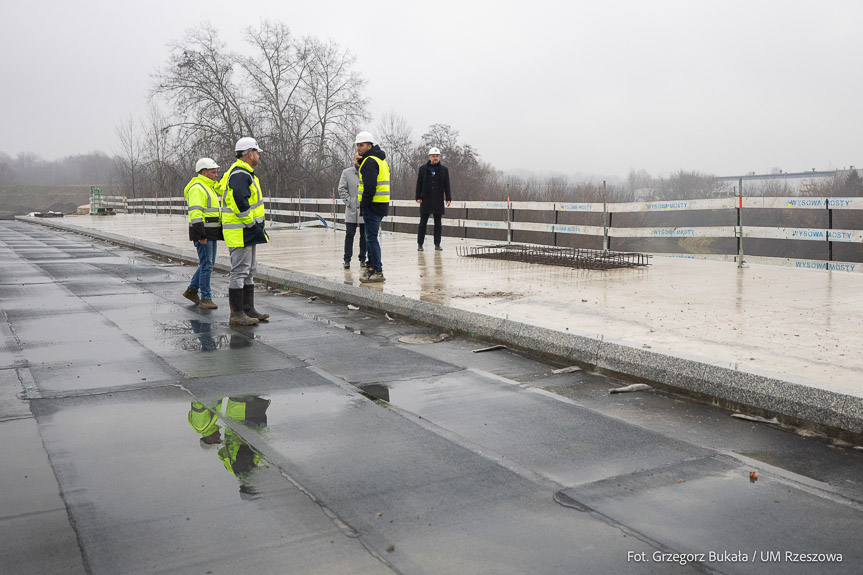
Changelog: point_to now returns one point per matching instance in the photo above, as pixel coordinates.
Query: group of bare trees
(300, 98)
(7, 174)
(303, 101)
(29, 169)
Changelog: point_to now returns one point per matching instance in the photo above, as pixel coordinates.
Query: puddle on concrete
(808, 468)
(237, 455)
(327, 321)
(107, 260)
(376, 391)
(205, 338)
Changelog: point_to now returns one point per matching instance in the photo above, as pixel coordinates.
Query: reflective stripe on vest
(202, 419)
(382, 186)
(233, 221)
(209, 214)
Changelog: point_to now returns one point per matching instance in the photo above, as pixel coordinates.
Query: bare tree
(336, 91)
(130, 163)
(158, 152)
(277, 73)
(199, 82)
(396, 139)
(7, 174)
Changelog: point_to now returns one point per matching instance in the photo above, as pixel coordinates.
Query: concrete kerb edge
(798, 403)
(795, 403)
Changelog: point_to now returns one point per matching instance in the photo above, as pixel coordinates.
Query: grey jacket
(349, 184)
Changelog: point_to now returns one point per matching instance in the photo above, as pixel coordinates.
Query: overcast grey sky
(593, 87)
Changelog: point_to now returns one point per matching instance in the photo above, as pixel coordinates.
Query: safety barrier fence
(313, 211)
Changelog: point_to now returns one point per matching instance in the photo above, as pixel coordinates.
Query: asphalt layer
(372, 455)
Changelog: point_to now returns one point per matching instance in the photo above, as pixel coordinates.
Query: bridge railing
(540, 222)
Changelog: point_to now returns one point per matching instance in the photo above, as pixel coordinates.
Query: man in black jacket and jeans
(432, 192)
(374, 195)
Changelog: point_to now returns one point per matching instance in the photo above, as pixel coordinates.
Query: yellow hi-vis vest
(203, 420)
(236, 407)
(203, 202)
(233, 221)
(382, 188)
(237, 455)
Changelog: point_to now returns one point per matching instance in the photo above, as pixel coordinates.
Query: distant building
(793, 182)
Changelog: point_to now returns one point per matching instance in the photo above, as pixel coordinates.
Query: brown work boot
(192, 295)
(238, 316)
(207, 304)
(375, 277)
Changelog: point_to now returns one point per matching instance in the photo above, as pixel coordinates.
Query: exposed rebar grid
(557, 256)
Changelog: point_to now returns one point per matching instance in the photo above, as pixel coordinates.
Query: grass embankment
(17, 200)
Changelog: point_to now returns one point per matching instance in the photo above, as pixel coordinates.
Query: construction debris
(630, 388)
(755, 418)
(569, 369)
(492, 348)
(352, 307)
(557, 256)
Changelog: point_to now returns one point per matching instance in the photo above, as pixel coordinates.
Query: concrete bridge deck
(783, 340)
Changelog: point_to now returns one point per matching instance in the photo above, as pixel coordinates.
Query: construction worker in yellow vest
(374, 197)
(205, 228)
(243, 228)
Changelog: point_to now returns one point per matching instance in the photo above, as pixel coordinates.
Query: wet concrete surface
(363, 454)
(791, 323)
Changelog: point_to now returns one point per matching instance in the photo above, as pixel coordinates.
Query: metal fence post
(610, 214)
(829, 229)
(508, 221)
(554, 235)
(466, 217)
(740, 223)
(604, 219)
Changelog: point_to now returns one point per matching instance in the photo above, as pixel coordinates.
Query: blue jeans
(350, 232)
(201, 279)
(373, 226)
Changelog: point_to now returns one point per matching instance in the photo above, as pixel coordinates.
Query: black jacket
(197, 231)
(240, 182)
(369, 177)
(433, 190)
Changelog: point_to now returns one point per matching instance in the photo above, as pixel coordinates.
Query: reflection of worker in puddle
(203, 330)
(236, 454)
(432, 278)
(204, 421)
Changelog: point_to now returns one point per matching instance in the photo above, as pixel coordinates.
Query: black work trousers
(350, 232)
(421, 233)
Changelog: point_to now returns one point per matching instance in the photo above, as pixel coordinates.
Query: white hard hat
(205, 164)
(364, 137)
(246, 143)
(434, 151)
